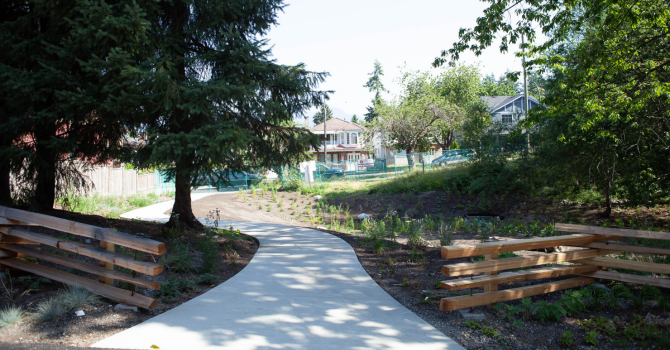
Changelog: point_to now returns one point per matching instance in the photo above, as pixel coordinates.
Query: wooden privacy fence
(16, 243)
(589, 264)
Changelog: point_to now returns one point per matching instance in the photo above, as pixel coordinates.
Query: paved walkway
(304, 289)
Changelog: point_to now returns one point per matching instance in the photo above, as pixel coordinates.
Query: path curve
(304, 289)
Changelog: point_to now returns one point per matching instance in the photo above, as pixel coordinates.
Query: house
(508, 110)
(343, 140)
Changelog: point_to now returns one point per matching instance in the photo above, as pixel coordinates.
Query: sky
(345, 37)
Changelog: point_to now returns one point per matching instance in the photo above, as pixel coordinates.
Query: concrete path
(304, 289)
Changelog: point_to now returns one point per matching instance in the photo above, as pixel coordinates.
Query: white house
(343, 141)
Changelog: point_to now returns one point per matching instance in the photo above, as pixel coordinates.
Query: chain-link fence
(347, 170)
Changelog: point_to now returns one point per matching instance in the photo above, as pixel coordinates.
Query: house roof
(495, 102)
(337, 124)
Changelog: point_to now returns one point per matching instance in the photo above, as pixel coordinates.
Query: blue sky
(345, 37)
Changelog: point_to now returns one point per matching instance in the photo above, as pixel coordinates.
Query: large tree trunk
(46, 158)
(410, 158)
(182, 211)
(5, 189)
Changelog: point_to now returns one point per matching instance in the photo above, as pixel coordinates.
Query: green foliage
(206, 279)
(178, 257)
(490, 332)
(649, 292)
(621, 291)
(174, 288)
(375, 85)
(473, 324)
(318, 116)
(11, 315)
(549, 311)
(209, 249)
(591, 338)
(50, 309)
(108, 206)
(567, 339)
(454, 145)
(75, 298)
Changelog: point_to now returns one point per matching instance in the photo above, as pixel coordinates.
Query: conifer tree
(375, 85)
(217, 103)
(318, 116)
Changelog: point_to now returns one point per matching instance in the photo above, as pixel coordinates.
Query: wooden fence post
(110, 266)
(493, 286)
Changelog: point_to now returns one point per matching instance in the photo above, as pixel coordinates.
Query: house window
(506, 118)
(354, 138)
(347, 138)
(342, 139)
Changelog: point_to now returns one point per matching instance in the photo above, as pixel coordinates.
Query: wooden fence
(16, 242)
(589, 264)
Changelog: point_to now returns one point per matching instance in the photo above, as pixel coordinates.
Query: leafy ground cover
(35, 309)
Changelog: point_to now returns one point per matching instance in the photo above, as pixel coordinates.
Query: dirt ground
(101, 320)
(412, 277)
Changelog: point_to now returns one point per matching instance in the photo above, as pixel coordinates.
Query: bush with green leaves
(567, 339)
(591, 338)
(649, 292)
(206, 279)
(209, 249)
(10, 315)
(174, 288)
(178, 257)
(549, 311)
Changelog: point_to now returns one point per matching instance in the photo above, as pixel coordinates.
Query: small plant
(473, 324)
(621, 291)
(526, 303)
(77, 298)
(178, 257)
(591, 338)
(209, 248)
(206, 279)
(50, 309)
(662, 303)
(11, 315)
(490, 332)
(567, 339)
(649, 292)
(405, 282)
(437, 284)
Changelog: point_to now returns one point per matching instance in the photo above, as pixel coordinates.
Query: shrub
(50, 309)
(649, 292)
(567, 339)
(621, 291)
(550, 311)
(11, 315)
(591, 338)
(206, 279)
(209, 249)
(178, 257)
(77, 298)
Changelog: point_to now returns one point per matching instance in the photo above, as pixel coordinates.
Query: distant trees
(375, 85)
(318, 116)
(608, 99)
(413, 118)
(354, 119)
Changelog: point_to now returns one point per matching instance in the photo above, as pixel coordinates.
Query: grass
(108, 206)
(77, 298)
(50, 309)
(11, 315)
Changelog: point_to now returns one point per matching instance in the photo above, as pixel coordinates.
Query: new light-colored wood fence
(16, 242)
(587, 264)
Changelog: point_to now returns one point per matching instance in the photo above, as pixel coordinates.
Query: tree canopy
(318, 116)
(609, 88)
(375, 85)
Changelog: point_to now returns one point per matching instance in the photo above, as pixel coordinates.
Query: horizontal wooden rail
(627, 265)
(506, 277)
(128, 262)
(593, 230)
(12, 222)
(460, 251)
(626, 248)
(124, 296)
(7, 239)
(460, 269)
(80, 265)
(76, 228)
(464, 302)
(629, 278)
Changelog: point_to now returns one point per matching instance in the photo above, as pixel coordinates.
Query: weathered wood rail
(588, 264)
(17, 243)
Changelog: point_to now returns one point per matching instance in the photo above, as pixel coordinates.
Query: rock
(601, 286)
(125, 307)
(79, 313)
(88, 241)
(317, 197)
(471, 316)
(363, 216)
